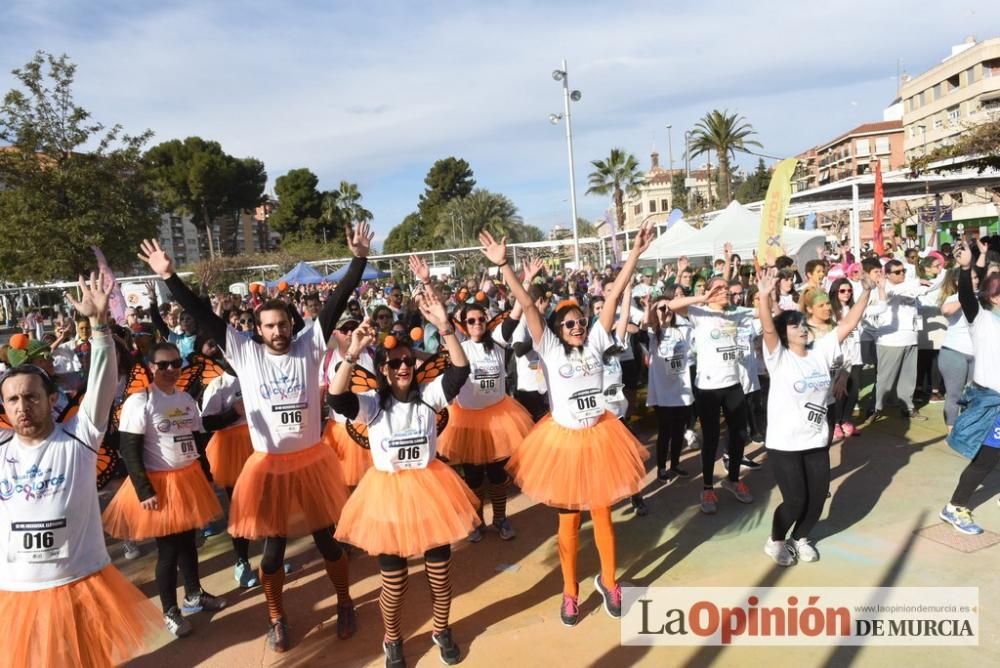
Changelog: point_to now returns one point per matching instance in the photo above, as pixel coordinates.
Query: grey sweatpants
(956, 369)
(897, 366)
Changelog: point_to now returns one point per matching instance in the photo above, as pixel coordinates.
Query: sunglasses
(246, 322)
(572, 324)
(898, 271)
(385, 316)
(163, 365)
(475, 321)
(845, 291)
(399, 362)
(347, 329)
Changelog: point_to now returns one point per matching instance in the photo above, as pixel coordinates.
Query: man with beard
(292, 485)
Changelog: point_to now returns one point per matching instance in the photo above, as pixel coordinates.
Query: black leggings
(394, 562)
(476, 473)
(734, 406)
(843, 407)
(671, 421)
(241, 546)
(273, 558)
(803, 478)
(534, 402)
(974, 474)
(176, 551)
(757, 409)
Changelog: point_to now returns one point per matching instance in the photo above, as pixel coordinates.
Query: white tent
(662, 245)
(741, 227)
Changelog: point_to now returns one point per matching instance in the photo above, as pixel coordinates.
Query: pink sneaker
(849, 429)
(838, 433)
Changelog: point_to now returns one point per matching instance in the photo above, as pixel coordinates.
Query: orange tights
(569, 543)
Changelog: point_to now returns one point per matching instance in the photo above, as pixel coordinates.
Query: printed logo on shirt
(814, 381)
(281, 388)
(176, 419)
(34, 484)
(727, 329)
(587, 366)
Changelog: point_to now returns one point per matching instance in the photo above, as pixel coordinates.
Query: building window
(970, 76)
(638, 209)
(952, 83)
(652, 206)
(953, 114)
(938, 91)
(882, 145)
(861, 147)
(938, 123)
(664, 204)
(885, 164)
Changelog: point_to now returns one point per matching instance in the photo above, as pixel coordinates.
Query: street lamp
(670, 150)
(575, 95)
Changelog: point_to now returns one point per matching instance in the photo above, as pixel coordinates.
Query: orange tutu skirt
(408, 512)
(287, 495)
(186, 498)
(227, 452)
(579, 469)
(354, 460)
(100, 620)
(484, 435)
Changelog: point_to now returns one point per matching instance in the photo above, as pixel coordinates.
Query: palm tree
(349, 201)
(725, 134)
(617, 176)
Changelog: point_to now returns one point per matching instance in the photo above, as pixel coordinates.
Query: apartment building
(180, 238)
(963, 90)
(654, 201)
(852, 154)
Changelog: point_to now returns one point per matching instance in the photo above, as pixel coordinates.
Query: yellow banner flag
(772, 217)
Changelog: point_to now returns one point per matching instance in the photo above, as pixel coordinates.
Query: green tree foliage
(679, 192)
(754, 188)
(726, 134)
(299, 202)
(59, 196)
(461, 220)
(408, 236)
(617, 176)
(448, 179)
(197, 177)
(977, 147)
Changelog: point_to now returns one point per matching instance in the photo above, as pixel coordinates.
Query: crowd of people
(383, 415)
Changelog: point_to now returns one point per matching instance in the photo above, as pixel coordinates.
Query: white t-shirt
(404, 434)
(364, 360)
(575, 381)
(486, 384)
(851, 346)
(669, 361)
(746, 337)
(614, 394)
(282, 398)
(530, 375)
(717, 344)
(796, 405)
(220, 395)
(985, 333)
(958, 337)
(168, 423)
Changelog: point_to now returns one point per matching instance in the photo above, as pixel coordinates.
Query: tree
(584, 228)
(679, 192)
(349, 201)
(196, 177)
(447, 179)
(979, 144)
(725, 134)
(57, 197)
(299, 202)
(754, 188)
(462, 219)
(407, 236)
(617, 176)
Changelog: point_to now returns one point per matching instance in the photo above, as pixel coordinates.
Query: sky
(374, 92)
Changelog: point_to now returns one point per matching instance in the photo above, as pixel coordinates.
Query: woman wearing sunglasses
(167, 495)
(841, 298)
(670, 392)
(580, 457)
(485, 423)
(409, 503)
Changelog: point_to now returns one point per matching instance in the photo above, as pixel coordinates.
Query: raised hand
(644, 238)
(727, 250)
(982, 245)
(419, 267)
(532, 266)
(359, 240)
(768, 279)
(495, 251)
(362, 337)
(93, 302)
(156, 258)
(963, 256)
(682, 263)
(433, 310)
(151, 291)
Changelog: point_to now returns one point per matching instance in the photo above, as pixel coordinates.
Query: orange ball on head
(19, 341)
(282, 286)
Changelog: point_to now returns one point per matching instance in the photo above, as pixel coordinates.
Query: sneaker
(393, 654)
(199, 539)
(915, 415)
(504, 528)
(661, 473)
(202, 601)
(780, 551)
(838, 433)
(612, 597)
(874, 417)
(476, 534)
(347, 621)
(176, 623)
(679, 472)
(803, 549)
(639, 505)
(277, 635)
(288, 567)
(450, 653)
(849, 429)
(211, 530)
(131, 550)
(738, 489)
(245, 575)
(936, 398)
(691, 438)
(709, 501)
(570, 611)
(961, 519)
(746, 462)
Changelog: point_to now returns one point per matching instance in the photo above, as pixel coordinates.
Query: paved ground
(887, 483)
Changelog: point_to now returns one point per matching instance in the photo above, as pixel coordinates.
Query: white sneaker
(804, 549)
(131, 550)
(780, 551)
(691, 438)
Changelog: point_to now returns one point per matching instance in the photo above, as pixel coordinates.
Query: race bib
(816, 416)
(486, 379)
(613, 393)
(729, 354)
(587, 404)
(409, 450)
(185, 447)
(675, 365)
(32, 542)
(289, 418)
(993, 437)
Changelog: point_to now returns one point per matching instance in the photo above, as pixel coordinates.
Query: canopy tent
(741, 227)
(662, 245)
(302, 274)
(369, 274)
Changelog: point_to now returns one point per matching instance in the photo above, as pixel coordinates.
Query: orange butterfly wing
(359, 432)
(497, 320)
(107, 463)
(432, 367)
(190, 380)
(138, 380)
(211, 371)
(4, 422)
(362, 380)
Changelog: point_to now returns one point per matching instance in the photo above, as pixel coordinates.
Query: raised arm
(853, 317)
(642, 241)
(727, 253)
(161, 264)
(621, 327)
(496, 252)
(966, 293)
(765, 288)
(359, 240)
(341, 399)
(103, 374)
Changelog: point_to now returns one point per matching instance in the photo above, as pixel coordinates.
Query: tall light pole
(563, 76)
(687, 167)
(670, 151)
